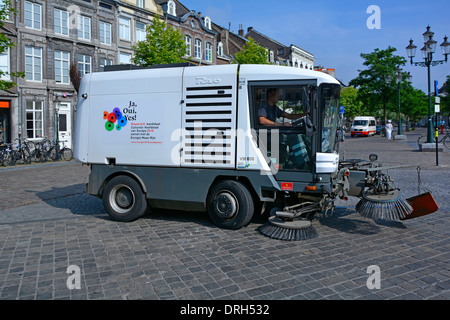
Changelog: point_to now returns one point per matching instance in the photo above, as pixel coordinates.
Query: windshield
(360, 122)
(330, 114)
(281, 113)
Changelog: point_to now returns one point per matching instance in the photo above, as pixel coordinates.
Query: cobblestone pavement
(48, 223)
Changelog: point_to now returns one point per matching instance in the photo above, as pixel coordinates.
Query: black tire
(67, 154)
(124, 199)
(446, 142)
(421, 140)
(230, 205)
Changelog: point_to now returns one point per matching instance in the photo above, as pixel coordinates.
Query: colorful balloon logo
(114, 119)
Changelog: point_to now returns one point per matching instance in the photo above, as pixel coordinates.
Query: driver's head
(272, 96)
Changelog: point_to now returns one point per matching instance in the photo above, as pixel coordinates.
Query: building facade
(281, 54)
(50, 37)
(199, 36)
(56, 37)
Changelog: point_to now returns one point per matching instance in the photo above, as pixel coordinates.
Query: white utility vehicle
(193, 138)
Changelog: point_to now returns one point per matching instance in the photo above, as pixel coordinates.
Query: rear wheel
(230, 205)
(124, 199)
(67, 154)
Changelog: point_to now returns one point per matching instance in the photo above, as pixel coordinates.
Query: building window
(33, 15)
(208, 51)
(220, 49)
(124, 58)
(140, 3)
(104, 62)
(5, 65)
(105, 33)
(61, 22)
(33, 63)
(62, 67)
(187, 42)
(198, 49)
(171, 8)
(124, 29)
(84, 28)
(34, 111)
(140, 31)
(208, 23)
(84, 64)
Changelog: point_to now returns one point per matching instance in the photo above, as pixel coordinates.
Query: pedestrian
(442, 126)
(389, 128)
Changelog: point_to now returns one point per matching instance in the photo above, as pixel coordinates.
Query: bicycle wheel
(421, 140)
(67, 154)
(32, 148)
(446, 142)
(53, 154)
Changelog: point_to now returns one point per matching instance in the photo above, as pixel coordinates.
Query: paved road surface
(48, 223)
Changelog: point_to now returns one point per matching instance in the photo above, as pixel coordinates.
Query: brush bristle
(391, 208)
(288, 233)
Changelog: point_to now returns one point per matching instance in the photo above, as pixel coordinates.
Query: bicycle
(6, 157)
(21, 153)
(445, 140)
(57, 153)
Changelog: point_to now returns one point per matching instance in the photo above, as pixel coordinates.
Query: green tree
(414, 104)
(5, 44)
(352, 105)
(445, 101)
(163, 45)
(252, 53)
(375, 92)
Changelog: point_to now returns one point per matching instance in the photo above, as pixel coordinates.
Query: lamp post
(427, 53)
(399, 79)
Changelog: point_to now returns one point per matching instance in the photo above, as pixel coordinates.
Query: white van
(364, 126)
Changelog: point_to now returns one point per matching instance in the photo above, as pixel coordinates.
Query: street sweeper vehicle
(231, 140)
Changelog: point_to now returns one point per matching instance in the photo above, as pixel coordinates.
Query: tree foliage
(5, 44)
(252, 53)
(163, 44)
(414, 103)
(352, 105)
(375, 91)
(445, 101)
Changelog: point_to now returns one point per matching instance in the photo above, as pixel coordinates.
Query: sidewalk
(394, 152)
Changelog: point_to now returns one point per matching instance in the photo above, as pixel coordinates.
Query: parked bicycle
(57, 152)
(6, 154)
(445, 139)
(21, 153)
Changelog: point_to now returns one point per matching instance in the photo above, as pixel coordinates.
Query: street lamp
(399, 78)
(427, 53)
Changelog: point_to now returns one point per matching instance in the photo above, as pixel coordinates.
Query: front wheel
(446, 142)
(124, 199)
(230, 205)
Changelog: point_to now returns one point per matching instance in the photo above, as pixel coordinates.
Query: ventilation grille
(208, 121)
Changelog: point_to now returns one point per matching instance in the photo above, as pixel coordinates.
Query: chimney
(241, 31)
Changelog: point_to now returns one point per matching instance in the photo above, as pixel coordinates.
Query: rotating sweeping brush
(386, 206)
(288, 230)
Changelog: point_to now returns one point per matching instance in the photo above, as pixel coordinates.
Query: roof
(181, 9)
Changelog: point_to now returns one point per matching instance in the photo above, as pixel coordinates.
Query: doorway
(4, 123)
(64, 124)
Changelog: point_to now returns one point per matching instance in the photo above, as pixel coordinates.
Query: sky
(337, 32)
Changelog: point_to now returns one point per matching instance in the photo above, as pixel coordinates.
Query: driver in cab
(268, 112)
